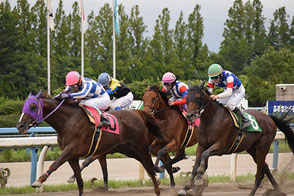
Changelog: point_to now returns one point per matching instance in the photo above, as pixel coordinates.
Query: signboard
(275, 107)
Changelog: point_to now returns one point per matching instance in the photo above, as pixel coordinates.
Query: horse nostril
(20, 126)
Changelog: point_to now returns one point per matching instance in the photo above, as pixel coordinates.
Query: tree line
(262, 57)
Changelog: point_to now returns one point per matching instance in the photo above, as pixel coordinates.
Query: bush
(11, 107)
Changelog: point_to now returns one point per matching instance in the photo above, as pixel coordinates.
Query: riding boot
(245, 123)
(104, 122)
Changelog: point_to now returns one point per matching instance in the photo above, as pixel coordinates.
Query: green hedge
(10, 111)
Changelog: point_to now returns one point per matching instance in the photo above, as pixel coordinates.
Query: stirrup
(246, 124)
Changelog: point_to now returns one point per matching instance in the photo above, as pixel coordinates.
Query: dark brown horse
(174, 128)
(75, 132)
(217, 135)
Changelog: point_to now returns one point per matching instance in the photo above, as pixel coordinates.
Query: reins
(40, 111)
(154, 109)
(58, 106)
(203, 105)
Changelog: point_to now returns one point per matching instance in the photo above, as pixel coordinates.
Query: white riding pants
(102, 102)
(232, 101)
(122, 102)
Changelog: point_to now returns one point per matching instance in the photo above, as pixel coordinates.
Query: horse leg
(271, 178)
(74, 163)
(171, 146)
(149, 167)
(179, 156)
(103, 164)
(63, 157)
(199, 151)
(85, 164)
(262, 168)
(160, 153)
(169, 169)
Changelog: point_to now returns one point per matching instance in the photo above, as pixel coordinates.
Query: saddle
(95, 116)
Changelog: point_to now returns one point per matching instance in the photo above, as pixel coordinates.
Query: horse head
(154, 99)
(195, 101)
(32, 113)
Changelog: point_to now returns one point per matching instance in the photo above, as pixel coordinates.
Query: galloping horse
(75, 133)
(218, 135)
(175, 126)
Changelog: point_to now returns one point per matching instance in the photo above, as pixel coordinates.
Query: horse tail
(284, 126)
(153, 125)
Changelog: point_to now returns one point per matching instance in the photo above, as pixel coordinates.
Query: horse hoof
(182, 192)
(175, 169)
(71, 180)
(36, 184)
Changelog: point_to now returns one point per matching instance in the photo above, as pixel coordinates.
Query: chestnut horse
(174, 128)
(74, 134)
(217, 135)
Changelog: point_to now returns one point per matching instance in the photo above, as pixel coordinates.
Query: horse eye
(33, 107)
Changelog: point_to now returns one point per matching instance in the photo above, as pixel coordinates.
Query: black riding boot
(245, 123)
(104, 122)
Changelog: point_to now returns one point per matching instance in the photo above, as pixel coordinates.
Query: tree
(182, 58)
(123, 54)
(236, 50)
(258, 29)
(138, 47)
(279, 31)
(194, 38)
(273, 67)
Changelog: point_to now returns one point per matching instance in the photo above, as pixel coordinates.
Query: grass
(88, 185)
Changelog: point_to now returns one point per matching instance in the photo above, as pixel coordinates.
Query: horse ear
(148, 87)
(202, 84)
(39, 94)
(30, 94)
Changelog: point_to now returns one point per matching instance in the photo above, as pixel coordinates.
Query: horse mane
(205, 89)
(156, 88)
(45, 95)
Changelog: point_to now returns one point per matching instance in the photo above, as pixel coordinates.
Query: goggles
(167, 84)
(214, 78)
(73, 86)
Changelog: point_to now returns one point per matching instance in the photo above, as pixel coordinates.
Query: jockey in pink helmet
(178, 90)
(87, 91)
(90, 92)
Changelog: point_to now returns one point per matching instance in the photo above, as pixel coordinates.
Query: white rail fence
(52, 141)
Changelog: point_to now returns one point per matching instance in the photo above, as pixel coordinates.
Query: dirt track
(127, 169)
(227, 189)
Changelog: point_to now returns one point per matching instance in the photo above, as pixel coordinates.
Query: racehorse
(217, 136)
(74, 134)
(174, 129)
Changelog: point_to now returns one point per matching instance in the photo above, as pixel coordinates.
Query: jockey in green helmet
(234, 90)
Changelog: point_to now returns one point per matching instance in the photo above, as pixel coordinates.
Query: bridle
(39, 114)
(155, 108)
(200, 102)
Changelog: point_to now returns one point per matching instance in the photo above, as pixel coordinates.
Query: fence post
(34, 158)
(275, 154)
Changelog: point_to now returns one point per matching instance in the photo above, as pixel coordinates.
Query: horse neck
(210, 110)
(58, 118)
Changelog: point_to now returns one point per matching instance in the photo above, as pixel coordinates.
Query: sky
(214, 13)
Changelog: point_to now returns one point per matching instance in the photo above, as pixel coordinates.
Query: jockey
(178, 89)
(234, 90)
(120, 95)
(90, 92)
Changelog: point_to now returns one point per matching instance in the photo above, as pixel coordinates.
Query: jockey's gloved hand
(65, 95)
